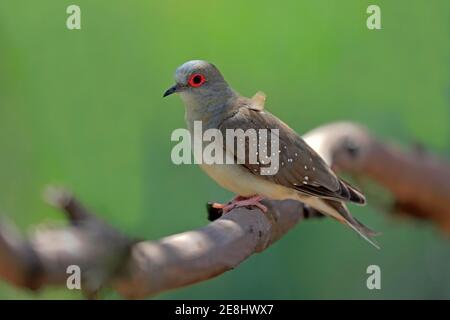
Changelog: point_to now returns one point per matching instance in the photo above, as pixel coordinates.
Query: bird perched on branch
(301, 173)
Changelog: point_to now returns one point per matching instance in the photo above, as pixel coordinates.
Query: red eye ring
(196, 80)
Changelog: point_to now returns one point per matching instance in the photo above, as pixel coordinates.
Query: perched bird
(302, 174)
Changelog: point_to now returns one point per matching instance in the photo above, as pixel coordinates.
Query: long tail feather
(339, 211)
(364, 231)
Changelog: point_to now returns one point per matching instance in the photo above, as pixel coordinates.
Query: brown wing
(300, 167)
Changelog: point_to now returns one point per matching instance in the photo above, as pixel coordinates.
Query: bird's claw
(245, 202)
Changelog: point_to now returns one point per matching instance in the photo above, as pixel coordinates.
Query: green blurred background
(83, 108)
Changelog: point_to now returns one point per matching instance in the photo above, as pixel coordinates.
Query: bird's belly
(238, 180)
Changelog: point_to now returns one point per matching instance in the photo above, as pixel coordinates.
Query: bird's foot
(220, 206)
(240, 201)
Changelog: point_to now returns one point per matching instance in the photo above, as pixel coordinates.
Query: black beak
(171, 90)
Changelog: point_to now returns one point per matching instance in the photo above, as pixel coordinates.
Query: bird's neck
(210, 110)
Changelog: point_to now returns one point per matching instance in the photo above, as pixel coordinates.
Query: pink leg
(236, 198)
(244, 202)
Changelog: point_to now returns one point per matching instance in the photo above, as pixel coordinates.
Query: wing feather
(300, 167)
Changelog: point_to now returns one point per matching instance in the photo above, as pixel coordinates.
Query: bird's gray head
(200, 84)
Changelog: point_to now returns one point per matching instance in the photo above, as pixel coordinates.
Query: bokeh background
(83, 108)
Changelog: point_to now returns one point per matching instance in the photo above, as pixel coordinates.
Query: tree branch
(417, 181)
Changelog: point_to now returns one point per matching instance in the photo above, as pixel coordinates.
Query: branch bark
(418, 182)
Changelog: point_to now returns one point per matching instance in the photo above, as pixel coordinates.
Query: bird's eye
(196, 80)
